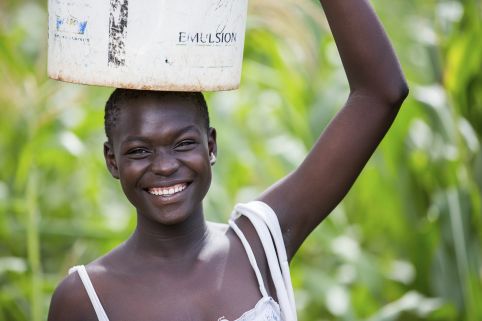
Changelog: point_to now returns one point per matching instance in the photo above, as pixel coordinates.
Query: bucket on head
(179, 45)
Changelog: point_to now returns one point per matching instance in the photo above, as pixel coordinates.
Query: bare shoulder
(71, 302)
(217, 227)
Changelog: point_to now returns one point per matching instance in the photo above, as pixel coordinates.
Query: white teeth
(167, 191)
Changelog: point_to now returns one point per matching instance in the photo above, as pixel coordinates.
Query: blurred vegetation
(405, 244)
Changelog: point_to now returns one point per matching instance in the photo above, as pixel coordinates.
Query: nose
(164, 164)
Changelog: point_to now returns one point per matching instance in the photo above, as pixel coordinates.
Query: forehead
(154, 114)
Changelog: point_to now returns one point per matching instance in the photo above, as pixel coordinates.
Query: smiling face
(160, 152)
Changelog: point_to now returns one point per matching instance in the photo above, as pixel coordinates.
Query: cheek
(199, 165)
(130, 174)
(198, 162)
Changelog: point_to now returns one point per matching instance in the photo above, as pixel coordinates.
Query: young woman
(177, 266)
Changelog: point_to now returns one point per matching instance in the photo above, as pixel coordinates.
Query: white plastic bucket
(180, 45)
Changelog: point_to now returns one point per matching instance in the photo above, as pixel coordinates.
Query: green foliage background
(405, 244)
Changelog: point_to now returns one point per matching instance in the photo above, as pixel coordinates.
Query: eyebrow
(176, 133)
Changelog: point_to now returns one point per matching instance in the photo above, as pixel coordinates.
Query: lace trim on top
(266, 309)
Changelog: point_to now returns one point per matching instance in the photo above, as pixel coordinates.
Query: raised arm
(377, 89)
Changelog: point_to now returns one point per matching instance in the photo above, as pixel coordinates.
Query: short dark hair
(119, 96)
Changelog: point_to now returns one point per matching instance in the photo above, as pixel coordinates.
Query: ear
(110, 160)
(212, 145)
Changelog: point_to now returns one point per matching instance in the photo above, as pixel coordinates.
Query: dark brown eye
(184, 145)
(138, 152)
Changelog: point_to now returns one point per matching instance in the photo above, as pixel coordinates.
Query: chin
(170, 215)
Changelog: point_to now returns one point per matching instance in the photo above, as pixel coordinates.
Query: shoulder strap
(94, 299)
(267, 226)
(251, 257)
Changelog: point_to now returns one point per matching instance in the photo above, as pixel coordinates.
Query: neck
(169, 243)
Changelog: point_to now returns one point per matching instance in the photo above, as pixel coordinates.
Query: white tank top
(267, 226)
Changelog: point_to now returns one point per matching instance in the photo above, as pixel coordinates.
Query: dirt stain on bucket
(117, 32)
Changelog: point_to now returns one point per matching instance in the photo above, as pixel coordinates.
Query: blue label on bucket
(70, 25)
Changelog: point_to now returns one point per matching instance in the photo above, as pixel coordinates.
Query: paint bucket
(182, 45)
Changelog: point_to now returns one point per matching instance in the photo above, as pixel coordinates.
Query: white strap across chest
(267, 226)
(99, 310)
(251, 258)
